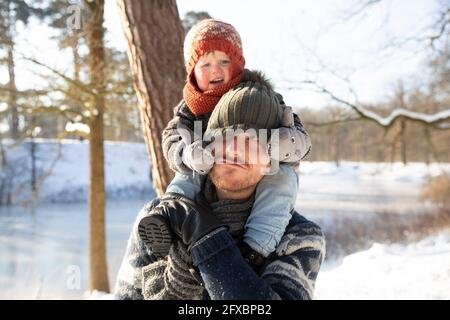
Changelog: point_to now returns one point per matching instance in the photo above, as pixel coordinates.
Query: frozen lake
(41, 250)
(360, 188)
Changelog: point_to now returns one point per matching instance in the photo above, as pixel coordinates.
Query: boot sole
(156, 234)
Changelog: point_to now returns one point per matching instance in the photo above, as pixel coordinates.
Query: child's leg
(154, 229)
(274, 201)
(187, 185)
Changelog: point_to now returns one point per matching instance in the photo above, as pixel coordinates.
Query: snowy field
(416, 271)
(42, 248)
(127, 170)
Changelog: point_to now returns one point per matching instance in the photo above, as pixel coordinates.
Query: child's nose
(216, 69)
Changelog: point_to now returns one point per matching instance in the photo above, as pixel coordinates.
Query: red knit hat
(207, 36)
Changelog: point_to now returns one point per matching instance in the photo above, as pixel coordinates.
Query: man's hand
(190, 220)
(198, 158)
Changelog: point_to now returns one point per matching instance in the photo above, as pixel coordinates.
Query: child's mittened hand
(197, 158)
(283, 146)
(287, 118)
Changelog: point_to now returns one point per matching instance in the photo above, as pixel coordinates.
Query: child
(215, 63)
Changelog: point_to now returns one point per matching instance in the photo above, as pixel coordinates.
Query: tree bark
(154, 35)
(75, 55)
(403, 141)
(96, 60)
(12, 99)
(337, 145)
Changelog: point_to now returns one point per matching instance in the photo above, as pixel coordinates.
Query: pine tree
(155, 38)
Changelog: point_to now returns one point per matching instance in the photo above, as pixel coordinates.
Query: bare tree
(12, 12)
(436, 32)
(439, 120)
(96, 61)
(68, 37)
(399, 117)
(154, 35)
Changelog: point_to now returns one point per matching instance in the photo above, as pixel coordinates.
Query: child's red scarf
(204, 102)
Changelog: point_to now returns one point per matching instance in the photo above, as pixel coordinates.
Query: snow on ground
(416, 271)
(98, 295)
(127, 170)
(362, 188)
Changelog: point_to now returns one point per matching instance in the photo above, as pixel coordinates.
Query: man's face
(240, 164)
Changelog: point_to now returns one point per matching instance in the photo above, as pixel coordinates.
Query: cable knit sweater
(216, 269)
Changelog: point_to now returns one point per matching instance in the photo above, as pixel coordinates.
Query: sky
(300, 40)
(291, 41)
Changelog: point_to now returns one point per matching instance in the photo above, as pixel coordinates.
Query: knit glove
(189, 220)
(198, 158)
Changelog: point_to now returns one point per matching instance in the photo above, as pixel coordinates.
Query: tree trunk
(96, 61)
(75, 55)
(12, 99)
(336, 145)
(403, 142)
(33, 166)
(155, 39)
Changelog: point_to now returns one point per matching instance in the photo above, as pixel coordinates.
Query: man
(207, 258)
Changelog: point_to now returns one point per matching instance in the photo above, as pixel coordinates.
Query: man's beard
(221, 181)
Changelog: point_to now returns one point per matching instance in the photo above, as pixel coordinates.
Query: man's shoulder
(300, 222)
(145, 211)
(301, 233)
(151, 204)
(183, 110)
(148, 206)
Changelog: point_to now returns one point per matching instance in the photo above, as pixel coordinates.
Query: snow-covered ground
(127, 170)
(41, 249)
(362, 188)
(416, 271)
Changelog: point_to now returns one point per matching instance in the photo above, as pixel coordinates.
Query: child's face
(212, 70)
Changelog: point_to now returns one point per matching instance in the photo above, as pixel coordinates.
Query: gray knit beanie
(249, 105)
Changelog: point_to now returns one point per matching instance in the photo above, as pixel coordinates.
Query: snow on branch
(435, 120)
(78, 128)
(403, 113)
